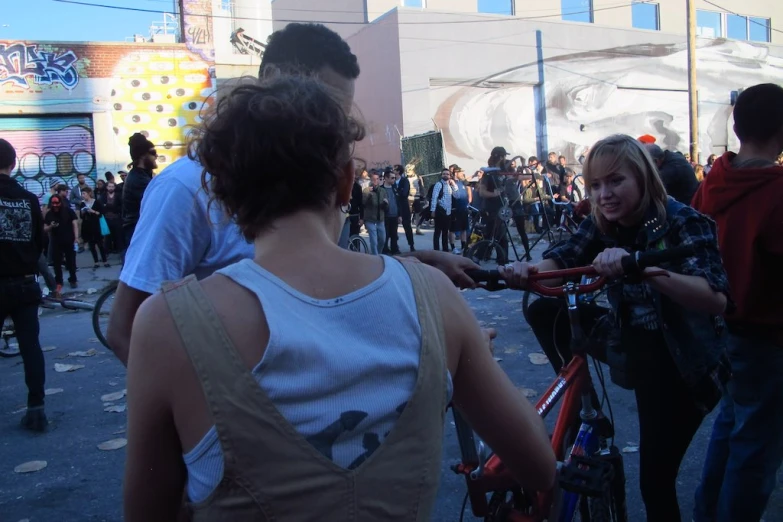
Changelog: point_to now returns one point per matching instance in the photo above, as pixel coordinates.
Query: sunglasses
(153, 152)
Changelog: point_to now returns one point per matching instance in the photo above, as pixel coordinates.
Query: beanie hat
(139, 146)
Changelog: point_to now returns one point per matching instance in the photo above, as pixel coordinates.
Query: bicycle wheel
(358, 244)
(489, 254)
(100, 314)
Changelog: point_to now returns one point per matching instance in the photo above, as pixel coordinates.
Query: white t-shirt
(176, 235)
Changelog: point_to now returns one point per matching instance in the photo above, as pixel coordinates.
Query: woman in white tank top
(301, 320)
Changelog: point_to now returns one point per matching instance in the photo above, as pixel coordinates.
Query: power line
(750, 18)
(342, 22)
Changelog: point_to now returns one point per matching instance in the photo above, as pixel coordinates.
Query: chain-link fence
(425, 153)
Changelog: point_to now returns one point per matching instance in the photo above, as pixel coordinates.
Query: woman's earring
(345, 208)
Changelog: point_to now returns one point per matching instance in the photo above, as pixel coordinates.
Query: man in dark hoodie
(676, 173)
(744, 195)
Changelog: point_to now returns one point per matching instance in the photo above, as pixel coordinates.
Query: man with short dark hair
(404, 203)
(676, 173)
(21, 242)
(744, 195)
(197, 238)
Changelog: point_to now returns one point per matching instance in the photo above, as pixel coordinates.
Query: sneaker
(35, 419)
(107, 265)
(457, 251)
(419, 232)
(413, 249)
(73, 284)
(58, 291)
(96, 266)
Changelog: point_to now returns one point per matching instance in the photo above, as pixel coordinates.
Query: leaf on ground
(91, 291)
(500, 318)
(498, 359)
(631, 449)
(87, 353)
(30, 467)
(113, 444)
(48, 348)
(493, 297)
(479, 299)
(53, 391)
(112, 383)
(61, 368)
(117, 408)
(512, 301)
(93, 340)
(538, 358)
(529, 393)
(119, 431)
(492, 323)
(110, 397)
(510, 350)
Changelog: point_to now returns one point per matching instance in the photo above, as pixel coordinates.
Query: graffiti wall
(70, 109)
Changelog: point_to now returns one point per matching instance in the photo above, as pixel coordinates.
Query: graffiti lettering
(199, 35)
(25, 66)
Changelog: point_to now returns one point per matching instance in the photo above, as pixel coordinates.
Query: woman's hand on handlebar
(609, 263)
(515, 274)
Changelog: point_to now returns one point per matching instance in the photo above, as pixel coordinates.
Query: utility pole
(693, 94)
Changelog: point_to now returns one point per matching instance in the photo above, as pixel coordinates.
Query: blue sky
(50, 20)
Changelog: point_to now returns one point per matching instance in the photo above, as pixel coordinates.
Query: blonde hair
(621, 151)
(699, 171)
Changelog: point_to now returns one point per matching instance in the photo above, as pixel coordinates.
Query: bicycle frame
(573, 386)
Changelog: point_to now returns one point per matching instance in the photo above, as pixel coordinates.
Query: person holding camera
(441, 207)
(491, 190)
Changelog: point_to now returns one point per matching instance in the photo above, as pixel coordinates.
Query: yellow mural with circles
(160, 94)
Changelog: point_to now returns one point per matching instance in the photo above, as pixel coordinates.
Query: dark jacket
(356, 199)
(678, 177)
(113, 209)
(375, 204)
(21, 229)
(91, 223)
(403, 191)
(132, 193)
(746, 203)
(695, 340)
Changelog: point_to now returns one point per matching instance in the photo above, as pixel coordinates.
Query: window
(577, 10)
(504, 7)
(708, 24)
(759, 29)
(645, 16)
(736, 27)
(412, 3)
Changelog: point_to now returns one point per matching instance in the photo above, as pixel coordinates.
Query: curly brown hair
(273, 147)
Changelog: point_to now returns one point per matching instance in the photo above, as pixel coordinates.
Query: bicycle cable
(464, 505)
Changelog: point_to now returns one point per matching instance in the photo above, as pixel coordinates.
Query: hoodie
(747, 205)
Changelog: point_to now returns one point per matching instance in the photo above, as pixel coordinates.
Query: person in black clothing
(676, 173)
(144, 158)
(112, 208)
(557, 170)
(356, 204)
(403, 205)
(21, 241)
(490, 190)
(392, 214)
(513, 188)
(61, 223)
(92, 210)
(441, 207)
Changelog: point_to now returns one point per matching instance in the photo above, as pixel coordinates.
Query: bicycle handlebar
(633, 265)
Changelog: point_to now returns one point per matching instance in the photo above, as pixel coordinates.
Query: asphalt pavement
(86, 409)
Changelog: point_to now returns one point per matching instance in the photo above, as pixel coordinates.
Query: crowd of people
(255, 361)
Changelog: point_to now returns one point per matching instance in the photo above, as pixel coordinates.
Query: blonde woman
(665, 334)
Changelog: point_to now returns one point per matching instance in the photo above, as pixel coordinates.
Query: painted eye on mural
(182, 91)
(165, 80)
(137, 84)
(162, 108)
(161, 66)
(172, 122)
(147, 96)
(191, 106)
(138, 118)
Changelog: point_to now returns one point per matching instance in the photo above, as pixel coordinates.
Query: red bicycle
(591, 479)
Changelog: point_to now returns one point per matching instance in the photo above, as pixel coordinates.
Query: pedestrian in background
(61, 223)
(92, 211)
(21, 242)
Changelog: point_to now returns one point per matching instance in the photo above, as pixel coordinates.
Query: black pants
(668, 417)
(405, 214)
(354, 226)
(442, 223)
(519, 221)
(19, 299)
(59, 252)
(115, 242)
(391, 234)
(101, 248)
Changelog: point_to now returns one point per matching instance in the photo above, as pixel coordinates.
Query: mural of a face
(594, 94)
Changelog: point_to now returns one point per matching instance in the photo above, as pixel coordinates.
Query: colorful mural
(69, 109)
